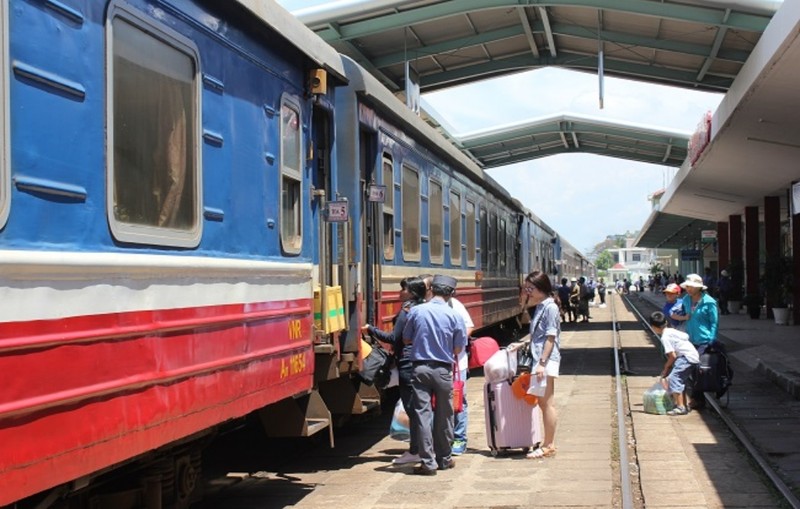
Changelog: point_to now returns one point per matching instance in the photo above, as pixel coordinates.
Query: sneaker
(406, 458)
(459, 446)
(678, 410)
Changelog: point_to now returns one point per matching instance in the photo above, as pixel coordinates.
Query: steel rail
(622, 429)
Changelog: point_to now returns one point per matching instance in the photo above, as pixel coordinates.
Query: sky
(584, 197)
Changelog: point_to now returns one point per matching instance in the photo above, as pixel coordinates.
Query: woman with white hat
(702, 314)
(702, 318)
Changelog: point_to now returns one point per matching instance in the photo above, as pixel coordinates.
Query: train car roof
(289, 27)
(366, 84)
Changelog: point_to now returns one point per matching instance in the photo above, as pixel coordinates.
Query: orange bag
(519, 388)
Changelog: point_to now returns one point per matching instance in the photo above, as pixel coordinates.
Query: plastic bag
(657, 400)
(399, 428)
(394, 378)
(538, 386)
(502, 365)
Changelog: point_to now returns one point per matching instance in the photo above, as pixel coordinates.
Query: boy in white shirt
(682, 359)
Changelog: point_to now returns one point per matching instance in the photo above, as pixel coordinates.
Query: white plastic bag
(538, 385)
(657, 400)
(502, 365)
(399, 428)
(394, 378)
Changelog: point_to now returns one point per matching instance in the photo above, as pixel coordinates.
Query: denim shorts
(681, 369)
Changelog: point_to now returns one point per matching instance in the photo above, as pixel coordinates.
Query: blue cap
(445, 281)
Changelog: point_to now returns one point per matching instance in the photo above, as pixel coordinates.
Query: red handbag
(458, 390)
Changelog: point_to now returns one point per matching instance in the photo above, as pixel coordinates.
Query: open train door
(373, 195)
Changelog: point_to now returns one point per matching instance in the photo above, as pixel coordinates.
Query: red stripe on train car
(72, 409)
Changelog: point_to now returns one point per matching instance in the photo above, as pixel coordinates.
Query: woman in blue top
(701, 313)
(702, 320)
(544, 336)
(412, 292)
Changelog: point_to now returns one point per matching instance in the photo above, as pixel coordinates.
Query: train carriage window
(436, 221)
(532, 253)
(4, 150)
(388, 208)
(455, 228)
(470, 219)
(484, 240)
(493, 242)
(153, 132)
(410, 198)
(514, 245)
(291, 179)
(501, 241)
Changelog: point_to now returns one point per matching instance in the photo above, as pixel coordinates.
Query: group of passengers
(687, 327)
(429, 340)
(577, 295)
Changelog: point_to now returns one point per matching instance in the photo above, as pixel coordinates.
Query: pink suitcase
(511, 423)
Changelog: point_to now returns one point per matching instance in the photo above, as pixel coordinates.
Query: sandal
(541, 452)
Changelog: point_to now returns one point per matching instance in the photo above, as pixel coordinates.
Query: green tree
(604, 260)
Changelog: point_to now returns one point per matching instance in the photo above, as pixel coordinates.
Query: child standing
(682, 358)
(673, 306)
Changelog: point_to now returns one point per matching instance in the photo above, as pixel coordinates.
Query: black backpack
(714, 373)
(377, 367)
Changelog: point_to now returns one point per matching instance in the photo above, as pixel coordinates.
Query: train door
(371, 232)
(321, 180)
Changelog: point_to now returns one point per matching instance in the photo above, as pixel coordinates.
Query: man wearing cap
(673, 305)
(436, 334)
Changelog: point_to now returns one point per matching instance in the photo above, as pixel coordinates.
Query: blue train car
(437, 212)
(200, 204)
(158, 232)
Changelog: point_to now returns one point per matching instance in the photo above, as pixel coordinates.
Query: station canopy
(697, 44)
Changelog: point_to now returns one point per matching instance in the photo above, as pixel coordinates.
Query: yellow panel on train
(334, 311)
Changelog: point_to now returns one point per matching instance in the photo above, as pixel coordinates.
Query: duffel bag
(377, 367)
(480, 350)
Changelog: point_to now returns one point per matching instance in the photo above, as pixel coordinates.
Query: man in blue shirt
(436, 334)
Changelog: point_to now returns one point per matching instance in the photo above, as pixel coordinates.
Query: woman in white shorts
(545, 330)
